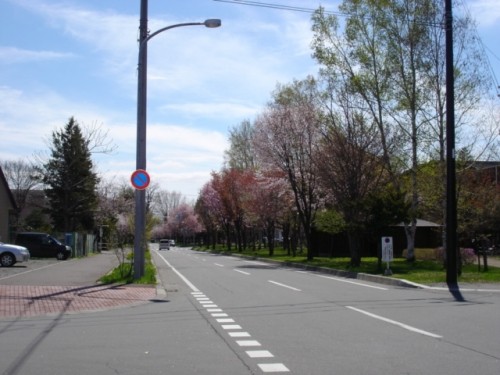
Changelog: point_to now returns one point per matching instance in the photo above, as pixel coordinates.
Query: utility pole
(140, 195)
(451, 198)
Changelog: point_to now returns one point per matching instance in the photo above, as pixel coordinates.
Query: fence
(81, 244)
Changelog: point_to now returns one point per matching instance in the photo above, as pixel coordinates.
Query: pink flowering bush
(466, 254)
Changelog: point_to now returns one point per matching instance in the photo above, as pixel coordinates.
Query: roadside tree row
(365, 140)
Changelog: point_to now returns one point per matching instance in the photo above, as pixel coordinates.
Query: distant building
(491, 169)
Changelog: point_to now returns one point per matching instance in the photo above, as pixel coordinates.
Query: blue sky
(63, 58)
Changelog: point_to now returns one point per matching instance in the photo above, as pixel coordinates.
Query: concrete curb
(346, 274)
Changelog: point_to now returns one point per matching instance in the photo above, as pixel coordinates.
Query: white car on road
(12, 254)
(164, 244)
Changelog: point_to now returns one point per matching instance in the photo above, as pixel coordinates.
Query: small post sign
(387, 253)
(140, 179)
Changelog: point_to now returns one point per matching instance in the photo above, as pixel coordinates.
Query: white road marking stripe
(243, 272)
(248, 342)
(188, 283)
(206, 302)
(273, 367)
(266, 367)
(219, 265)
(259, 354)
(239, 334)
(402, 325)
(351, 282)
(225, 320)
(231, 326)
(219, 315)
(285, 286)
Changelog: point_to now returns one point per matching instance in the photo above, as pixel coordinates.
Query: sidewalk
(81, 293)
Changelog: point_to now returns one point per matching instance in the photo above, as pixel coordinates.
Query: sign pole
(387, 254)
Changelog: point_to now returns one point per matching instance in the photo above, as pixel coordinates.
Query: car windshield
(53, 239)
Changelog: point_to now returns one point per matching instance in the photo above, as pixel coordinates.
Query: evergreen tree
(70, 180)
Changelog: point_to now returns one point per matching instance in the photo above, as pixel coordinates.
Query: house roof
(422, 223)
(3, 181)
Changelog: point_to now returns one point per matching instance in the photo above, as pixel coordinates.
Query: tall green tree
(70, 180)
(391, 55)
(241, 154)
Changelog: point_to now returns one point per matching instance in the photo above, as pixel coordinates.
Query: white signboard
(387, 250)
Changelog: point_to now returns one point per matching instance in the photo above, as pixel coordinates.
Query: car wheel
(7, 260)
(60, 256)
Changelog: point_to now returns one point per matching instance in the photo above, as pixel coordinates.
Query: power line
(311, 10)
(276, 6)
(484, 49)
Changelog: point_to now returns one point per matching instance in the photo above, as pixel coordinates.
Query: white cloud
(220, 110)
(13, 55)
(486, 12)
(200, 82)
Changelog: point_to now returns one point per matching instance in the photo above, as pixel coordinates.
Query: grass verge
(124, 272)
(419, 271)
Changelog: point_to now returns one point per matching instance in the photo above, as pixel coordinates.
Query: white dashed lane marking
(273, 367)
(235, 331)
(239, 334)
(284, 285)
(243, 272)
(259, 354)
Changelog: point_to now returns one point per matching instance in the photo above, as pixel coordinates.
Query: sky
(78, 58)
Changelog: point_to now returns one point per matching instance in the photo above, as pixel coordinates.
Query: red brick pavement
(22, 300)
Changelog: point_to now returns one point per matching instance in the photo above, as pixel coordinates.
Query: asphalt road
(226, 315)
(319, 324)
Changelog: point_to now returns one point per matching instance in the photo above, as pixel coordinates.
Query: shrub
(467, 255)
(422, 254)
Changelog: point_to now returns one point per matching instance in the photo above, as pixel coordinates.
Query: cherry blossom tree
(286, 138)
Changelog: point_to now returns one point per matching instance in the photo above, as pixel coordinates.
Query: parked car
(12, 254)
(43, 245)
(164, 244)
(172, 242)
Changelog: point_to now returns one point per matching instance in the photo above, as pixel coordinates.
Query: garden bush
(467, 255)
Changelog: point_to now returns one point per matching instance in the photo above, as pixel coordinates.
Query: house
(488, 169)
(7, 206)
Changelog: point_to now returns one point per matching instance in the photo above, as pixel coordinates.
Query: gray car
(12, 254)
(164, 244)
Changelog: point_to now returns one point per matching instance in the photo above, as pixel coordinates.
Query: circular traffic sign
(140, 179)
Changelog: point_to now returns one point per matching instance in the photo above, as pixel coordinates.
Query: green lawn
(420, 271)
(124, 272)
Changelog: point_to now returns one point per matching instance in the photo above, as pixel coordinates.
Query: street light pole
(140, 194)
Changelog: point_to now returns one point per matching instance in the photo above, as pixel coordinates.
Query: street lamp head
(212, 23)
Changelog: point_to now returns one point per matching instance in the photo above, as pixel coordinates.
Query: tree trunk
(354, 249)
(410, 231)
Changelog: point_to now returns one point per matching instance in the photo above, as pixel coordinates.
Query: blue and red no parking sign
(140, 179)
